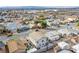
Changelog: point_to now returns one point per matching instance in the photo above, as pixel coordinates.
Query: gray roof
(2, 44)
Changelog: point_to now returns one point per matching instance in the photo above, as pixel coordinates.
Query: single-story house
(75, 48)
(53, 35)
(12, 26)
(63, 45)
(34, 35)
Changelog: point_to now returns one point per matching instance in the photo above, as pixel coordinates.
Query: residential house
(75, 48)
(12, 26)
(52, 35)
(64, 31)
(22, 28)
(16, 46)
(63, 45)
(34, 36)
(12, 46)
(70, 18)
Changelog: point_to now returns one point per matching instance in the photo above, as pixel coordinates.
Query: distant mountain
(37, 7)
(23, 8)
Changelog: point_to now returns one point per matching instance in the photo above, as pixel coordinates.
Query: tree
(43, 24)
(77, 23)
(1, 42)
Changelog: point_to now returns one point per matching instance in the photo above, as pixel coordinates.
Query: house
(12, 26)
(63, 45)
(75, 48)
(73, 38)
(22, 28)
(49, 21)
(52, 35)
(64, 31)
(34, 35)
(12, 46)
(56, 22)
(15, 45)
(52, 27)
(70, 18)
(53, 22)
(39, 40)
(38, 26)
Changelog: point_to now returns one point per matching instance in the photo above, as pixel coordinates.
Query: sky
(39, 3)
